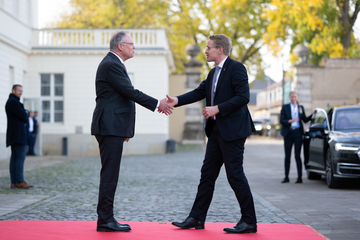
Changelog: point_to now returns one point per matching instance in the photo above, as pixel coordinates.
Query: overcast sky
(50, 11)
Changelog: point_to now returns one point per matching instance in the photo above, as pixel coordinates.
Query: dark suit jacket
(35, 125)
(232, 96)
(17, 119)
(114, 113)
(285, 116)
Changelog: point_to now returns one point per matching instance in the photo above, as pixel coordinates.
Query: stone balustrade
(96, 38)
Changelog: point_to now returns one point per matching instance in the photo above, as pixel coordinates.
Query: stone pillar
(302, 78)
(194, 127)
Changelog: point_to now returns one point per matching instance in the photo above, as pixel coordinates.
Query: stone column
(194, 126)
(302, 78)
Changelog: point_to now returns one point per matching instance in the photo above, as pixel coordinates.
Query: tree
(326, 25)
(113, 14)
(348, 19)
(186, 21)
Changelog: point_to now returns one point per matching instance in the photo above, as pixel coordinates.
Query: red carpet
(54, 230)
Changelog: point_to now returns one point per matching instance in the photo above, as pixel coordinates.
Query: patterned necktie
(217, 69)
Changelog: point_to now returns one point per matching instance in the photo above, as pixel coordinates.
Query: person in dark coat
(32, 130)
(226, 90)
(16, 136)
(113, 122)
(291, 117)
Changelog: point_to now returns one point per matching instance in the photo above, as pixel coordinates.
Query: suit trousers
(219, 152)
(294, 137)
(111, 148)
(31, 141)
(17, 159)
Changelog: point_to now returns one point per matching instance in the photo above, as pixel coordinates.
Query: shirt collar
(118, 57)
(221, 64)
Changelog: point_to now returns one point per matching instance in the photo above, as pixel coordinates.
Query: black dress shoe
(113, 227)
(285, 180)
(242, 227)
(299, 180)
(189, 223)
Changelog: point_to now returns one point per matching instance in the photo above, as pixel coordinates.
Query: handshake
(167, 105)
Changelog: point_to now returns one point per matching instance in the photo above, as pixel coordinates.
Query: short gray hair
(117, 38)
(221, 40)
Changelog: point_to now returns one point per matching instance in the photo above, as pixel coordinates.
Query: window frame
(52, 99)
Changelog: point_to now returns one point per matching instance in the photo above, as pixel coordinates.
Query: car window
(347, 119)
(319, 117)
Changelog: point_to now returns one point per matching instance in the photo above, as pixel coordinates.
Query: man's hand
(294, 119)
(164, 107)
(210, 111)
(171, 101)
(126, 139)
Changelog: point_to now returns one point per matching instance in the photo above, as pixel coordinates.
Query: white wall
(150, 76)
(79, 87)
(149, 67)
(16, 18)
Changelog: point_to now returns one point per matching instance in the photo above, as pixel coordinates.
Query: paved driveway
(162, 188)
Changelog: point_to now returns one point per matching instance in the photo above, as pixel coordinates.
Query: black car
(332, 145)
(262, 126)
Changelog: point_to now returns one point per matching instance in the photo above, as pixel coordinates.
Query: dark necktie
(124, 67)
(217, 69)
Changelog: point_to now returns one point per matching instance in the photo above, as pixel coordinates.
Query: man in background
(16, 136)
(291, 117)
(32, 132)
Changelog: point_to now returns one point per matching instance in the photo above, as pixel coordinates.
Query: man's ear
(221, 50)
(120, 46)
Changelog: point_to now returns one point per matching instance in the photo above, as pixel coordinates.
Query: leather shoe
(189, 222)
(242, 227)
(13, 185)
(285, 180)
(113, 227)
(23, 185)
(299, 180)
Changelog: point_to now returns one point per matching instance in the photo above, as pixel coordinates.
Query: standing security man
(291, 117)
(16, 136)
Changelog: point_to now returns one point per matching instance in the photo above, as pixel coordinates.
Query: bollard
(170, 146)
(64, 146)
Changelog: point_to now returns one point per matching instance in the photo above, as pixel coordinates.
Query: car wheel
(330, 179)
(312, 175)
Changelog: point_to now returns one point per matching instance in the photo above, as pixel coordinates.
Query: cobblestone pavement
(151, 188)
(162, 188)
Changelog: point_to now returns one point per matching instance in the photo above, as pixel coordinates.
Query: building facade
(57, 69)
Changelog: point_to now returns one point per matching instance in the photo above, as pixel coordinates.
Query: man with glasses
(114, 121)
(226, 90)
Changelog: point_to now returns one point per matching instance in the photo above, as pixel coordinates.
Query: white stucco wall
(150, 75)
(16, 18)
(23, 51)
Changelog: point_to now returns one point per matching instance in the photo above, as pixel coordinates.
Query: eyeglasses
(130, 43)
(208, 48)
